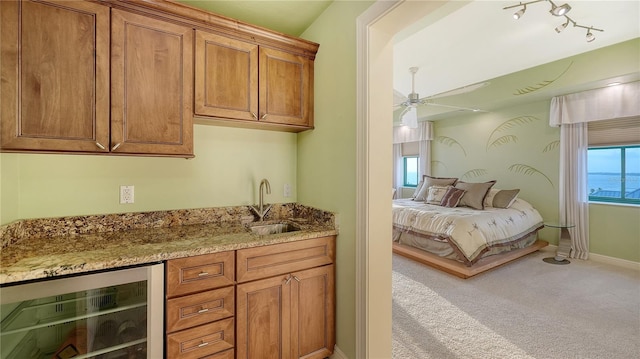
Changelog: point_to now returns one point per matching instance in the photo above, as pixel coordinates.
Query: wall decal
(475, 173)
(505, 126)
(551, 146)
(543, 84)
(434, 163)
(450, 142)
(528, 170)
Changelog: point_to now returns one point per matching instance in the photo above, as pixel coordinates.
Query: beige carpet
(526, 309)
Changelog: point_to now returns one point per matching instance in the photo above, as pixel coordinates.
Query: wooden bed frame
(458, 268)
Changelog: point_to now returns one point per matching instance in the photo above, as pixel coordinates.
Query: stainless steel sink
(274, 228)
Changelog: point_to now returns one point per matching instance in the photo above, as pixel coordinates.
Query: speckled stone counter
(49, 247)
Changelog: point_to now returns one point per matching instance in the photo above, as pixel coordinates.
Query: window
(410, 165)
(614, 174)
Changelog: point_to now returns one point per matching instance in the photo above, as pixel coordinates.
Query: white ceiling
(467, 42)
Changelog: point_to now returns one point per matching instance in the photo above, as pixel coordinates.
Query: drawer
(199, 273)
(227, 354)
(201, 341)
(262, 262)
(200, 308)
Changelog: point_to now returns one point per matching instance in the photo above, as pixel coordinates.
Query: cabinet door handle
(263, 116)
(296, 278)
(116, 146)
(287, 280)
(202, 274)
(203, 310)
(255, 117)
(100, 146)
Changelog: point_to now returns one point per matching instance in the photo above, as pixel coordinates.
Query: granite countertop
(44, 248)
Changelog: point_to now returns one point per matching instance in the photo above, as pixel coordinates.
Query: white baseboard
(603, 259)
(337, 354)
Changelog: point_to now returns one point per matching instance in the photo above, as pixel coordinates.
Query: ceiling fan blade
(431, 103)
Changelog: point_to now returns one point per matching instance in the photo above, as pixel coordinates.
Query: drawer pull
(203, 310)
(202, 274)
(203, 344)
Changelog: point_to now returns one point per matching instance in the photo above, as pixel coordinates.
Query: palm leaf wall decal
(475, 173)
(509, 124)
(528, 170)
(540, 85)
(551, 146)
(434, 163)
(503, 141)
(450, 142)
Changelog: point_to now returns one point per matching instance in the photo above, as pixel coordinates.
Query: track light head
(520, 12)
(562, 27)
(590, 37)
(560, 10)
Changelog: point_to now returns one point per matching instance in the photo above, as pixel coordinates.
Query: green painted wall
(229, 164)
(517, 147)
(327, 155)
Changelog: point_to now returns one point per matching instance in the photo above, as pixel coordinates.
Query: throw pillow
(428, 181)
(435, 194)
(505, 198)
(452, 197)
(488, 200)
(418, 187)
(475, 193)
(422, 195)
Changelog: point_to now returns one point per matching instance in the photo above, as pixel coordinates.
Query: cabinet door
(151, 86)
(286, 88)
(313, 313)
(262, 319)
(226, 80)
(55, 76)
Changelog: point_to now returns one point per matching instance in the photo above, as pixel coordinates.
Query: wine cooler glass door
(111, 315)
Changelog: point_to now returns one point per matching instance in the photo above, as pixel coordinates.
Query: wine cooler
(110, 315)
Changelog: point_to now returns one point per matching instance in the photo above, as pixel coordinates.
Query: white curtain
(574, 197)
(571, 113)
(398, 175)
(401, 134)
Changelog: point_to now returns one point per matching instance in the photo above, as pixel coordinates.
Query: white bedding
(469, 231)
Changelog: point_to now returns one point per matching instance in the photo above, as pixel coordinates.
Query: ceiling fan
(410, 103)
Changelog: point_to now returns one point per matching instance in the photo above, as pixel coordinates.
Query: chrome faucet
(261, 210)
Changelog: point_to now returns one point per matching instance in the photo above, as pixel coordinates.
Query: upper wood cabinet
(55, 76)
(151, 85)
(57, 91)
(240, 80)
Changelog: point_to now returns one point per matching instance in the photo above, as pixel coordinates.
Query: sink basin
(274, 228)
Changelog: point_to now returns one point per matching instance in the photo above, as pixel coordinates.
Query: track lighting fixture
(559, 10)
(556, 10)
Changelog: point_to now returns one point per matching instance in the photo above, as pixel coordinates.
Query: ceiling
(469, 42)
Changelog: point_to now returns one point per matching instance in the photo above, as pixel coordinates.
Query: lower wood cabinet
(287, 316)
(275, 301)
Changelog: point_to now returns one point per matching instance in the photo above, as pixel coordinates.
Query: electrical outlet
(287, 190)
(126, 194)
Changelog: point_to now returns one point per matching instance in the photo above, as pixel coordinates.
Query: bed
(468, 237)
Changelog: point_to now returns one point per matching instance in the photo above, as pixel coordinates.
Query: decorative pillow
(435, 194)
(452, 197)
(475, 193)
(505, 198)
(422, 195)
(428, 181)
(418, 187)
(488, 200)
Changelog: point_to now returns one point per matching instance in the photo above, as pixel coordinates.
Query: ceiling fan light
(560, 10)
(410, 117)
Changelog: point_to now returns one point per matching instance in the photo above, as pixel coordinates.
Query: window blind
(411, 148)
(616, 132)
